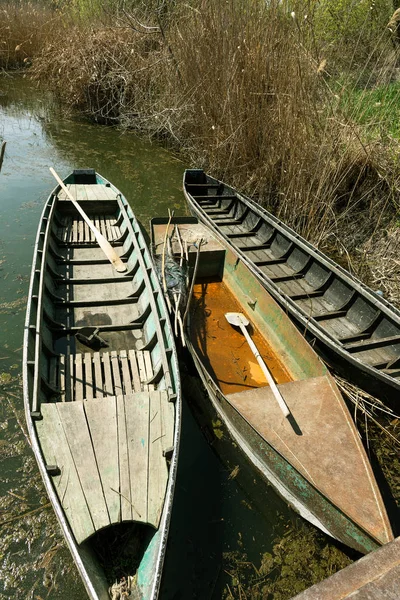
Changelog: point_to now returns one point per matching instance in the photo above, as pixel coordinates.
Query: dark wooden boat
(355, 330)
(101, 387)
(314, 459)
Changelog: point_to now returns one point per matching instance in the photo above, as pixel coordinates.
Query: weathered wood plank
(79, 389)
(87, 232)
(137, 411)
(126, 376)
(56, 451)
(116, 373)
(124, 472)
(109, 235)
(91, 191)
(142, 369)
(158, 472)
(135, 371)
(98, 390)
(62, 376)
(71, 378)
(81, 233)
(149, 368)
(102, 421)
(75, 237)
(73, 419)
(81, 191)
(108, 384)
(167, 420)
(88, 376)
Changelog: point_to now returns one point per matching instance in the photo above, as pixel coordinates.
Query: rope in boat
(173, 272)
(123, 589)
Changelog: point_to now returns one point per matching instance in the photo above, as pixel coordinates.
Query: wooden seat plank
(116, 373)
(89, 386)
(56, 451)
(81, 191)
(62, 376)
(142, 370)
(75, 237)
(124, 472)
(91, 191)
(79, 388)
(167, 420)
(81, 233)
(158, 471)
(108, 384)
(98, 388)
(73, 419)
(102, 421)
(109, 235)
(71, 378)
(126, 376)
(137, 411)
(135, 371)
(149, 368)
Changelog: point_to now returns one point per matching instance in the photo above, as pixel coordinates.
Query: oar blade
(236, 319)
(110, 253)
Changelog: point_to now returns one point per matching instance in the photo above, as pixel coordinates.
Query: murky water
(212, 514)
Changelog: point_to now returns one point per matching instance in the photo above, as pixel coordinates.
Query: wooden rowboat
(101, 388)
(354, 329)
(314, 459)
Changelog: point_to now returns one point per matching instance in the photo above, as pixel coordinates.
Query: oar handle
(76, 204)
(278, 396)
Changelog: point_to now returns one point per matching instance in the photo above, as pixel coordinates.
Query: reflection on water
(212, 515)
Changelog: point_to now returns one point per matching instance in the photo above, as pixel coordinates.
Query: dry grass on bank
(24, 29)
(234, 87)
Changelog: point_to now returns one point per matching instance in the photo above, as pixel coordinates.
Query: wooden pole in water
(2, 151)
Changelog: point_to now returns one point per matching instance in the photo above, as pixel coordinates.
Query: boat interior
(100, 363)
(232, 374)
(303, 277)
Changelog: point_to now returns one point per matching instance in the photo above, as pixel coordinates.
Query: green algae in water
(35, 562)
(298, 560)
(14, 306)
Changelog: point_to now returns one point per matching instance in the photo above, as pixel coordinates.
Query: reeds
(249, 91)
(24, 27)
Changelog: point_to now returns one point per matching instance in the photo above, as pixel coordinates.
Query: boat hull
(88, 330)
(364, 349)
(289, 484)
(314, 458)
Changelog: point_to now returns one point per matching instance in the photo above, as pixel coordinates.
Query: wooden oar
(104, 244)
(239, 320)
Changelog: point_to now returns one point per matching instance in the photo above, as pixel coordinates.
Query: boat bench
(97, 375)
(107, 459)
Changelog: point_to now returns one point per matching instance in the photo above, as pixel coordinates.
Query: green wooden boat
(101, 388)
(314, 458)
(352, 327)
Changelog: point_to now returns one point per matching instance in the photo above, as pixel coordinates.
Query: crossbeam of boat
(334, 314)
(370, 344)
(211, 186)
(232, 222)
(262, 246)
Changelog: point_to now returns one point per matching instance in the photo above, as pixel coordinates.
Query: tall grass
(25, 27)
(259, 93)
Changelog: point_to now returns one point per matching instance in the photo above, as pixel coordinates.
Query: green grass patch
(378, 109)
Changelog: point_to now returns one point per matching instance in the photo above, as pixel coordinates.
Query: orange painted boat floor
(222, 347)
